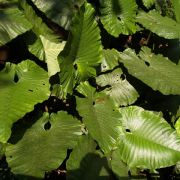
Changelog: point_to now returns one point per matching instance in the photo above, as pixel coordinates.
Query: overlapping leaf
(110, 59)
(13, 23)
(38, 26)
(118, 166)
(99, 116)
(85, 162)
(118, 16)
(82, 52)
(120, 91)
(162, 26)
(155, 70)
(61, 13)
(41, 149)
(48, 51)
(149, 141)
(19, 98)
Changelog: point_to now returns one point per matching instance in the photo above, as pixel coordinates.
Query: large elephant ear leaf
(85, 161)
(18, 98)
(118, 16)
(42, 149)
(119, 89)
(162, 26)
(13, 23)
(149, 141)
(156, 71)
(82, 53)
(99, 111)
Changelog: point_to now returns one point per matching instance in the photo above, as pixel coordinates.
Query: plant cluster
(89, 89)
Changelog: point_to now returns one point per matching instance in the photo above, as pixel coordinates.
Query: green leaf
(148, 3)
(155, 70)
(41, 149)
(85, 162)
(149, 141)
(52, 51)
(118, 16)
(119, 167)
(2, 150)
(82, 53)
(13, 23)
(177, 168)
(162, 26)
(177, 126)
(38, 26)
(99, 116)
(48, 51)
(110, 59)
(36, 48)
(119, 90)
(19, 98)
(61, 13)
(176, 6)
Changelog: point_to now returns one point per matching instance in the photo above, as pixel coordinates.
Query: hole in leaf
(43, 84)
(123, 77)
(128, 130)
(16, 78)
(93, 103)
(30, 90)
(147, 64)
(119, 18)
(75, 66)
(47, 126)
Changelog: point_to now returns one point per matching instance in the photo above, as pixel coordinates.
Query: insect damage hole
(128, 130)
(47, 126)
(123, 77)
(119, 18)
(147, 63)
(16, 78)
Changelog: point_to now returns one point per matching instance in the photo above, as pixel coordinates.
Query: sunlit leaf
(149, 141)
(118, 89)
(118, 16)
(79, 59)
(18, 98)
(99, 116)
